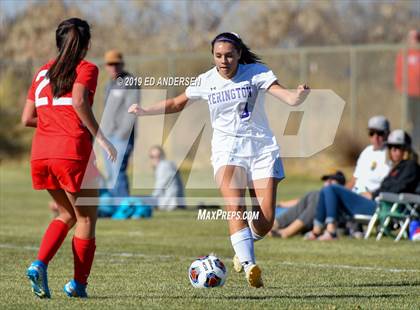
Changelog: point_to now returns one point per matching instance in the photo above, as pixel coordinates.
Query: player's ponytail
(247, 56)
(72, 38)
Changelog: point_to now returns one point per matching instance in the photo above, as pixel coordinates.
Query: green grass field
(144, 263)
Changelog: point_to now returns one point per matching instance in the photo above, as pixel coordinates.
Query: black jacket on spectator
(403, 178)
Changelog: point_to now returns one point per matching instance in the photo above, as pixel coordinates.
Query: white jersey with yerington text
(237, 113)
(371, 168)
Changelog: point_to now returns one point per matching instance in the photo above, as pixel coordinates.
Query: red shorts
(66, 174)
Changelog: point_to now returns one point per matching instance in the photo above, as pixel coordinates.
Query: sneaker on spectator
(310, 236)
(357, 235)
(327, 236)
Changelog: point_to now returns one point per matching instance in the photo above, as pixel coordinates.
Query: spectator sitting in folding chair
(403, 178)
(397, 211)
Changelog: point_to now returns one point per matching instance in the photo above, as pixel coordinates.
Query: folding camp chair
(386, 203)
(394, 208)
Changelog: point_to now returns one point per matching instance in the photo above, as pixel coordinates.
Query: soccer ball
(207, 272)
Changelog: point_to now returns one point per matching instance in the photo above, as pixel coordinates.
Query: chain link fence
(363, 76)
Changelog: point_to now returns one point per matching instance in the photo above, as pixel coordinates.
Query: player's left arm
(292, 98)
(29, 117)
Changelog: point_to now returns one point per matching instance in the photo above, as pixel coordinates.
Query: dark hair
(72, 38)
(247, 56)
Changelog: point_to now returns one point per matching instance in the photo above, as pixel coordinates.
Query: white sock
(243, 244)
(255, 236)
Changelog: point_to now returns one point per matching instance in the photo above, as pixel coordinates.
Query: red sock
(83, 253)
(52, 240)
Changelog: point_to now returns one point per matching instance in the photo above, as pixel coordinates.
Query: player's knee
(68, 219)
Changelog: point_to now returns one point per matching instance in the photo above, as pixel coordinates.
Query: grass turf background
(144, 263)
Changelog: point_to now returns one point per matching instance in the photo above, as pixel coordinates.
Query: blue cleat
(75, 289)
(37, 274)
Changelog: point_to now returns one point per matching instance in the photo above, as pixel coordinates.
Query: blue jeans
(334, 199)
(117, 180)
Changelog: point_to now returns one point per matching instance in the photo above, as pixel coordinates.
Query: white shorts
(267, 165)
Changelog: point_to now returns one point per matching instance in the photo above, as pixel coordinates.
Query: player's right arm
(84, 111)
(29, 117)
(171, 105)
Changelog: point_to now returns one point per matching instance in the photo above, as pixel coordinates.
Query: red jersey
(60, 133)
(413, 72)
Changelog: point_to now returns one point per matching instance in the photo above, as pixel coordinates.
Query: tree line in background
(152, 27)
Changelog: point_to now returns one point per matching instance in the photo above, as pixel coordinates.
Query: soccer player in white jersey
(244, 150)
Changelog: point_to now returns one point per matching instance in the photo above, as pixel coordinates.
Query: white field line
(133, 254)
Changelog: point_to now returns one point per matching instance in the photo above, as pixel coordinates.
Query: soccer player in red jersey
(59, 106)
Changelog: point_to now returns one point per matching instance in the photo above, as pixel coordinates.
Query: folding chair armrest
(410, 198)
(390, 197)
(362, 218)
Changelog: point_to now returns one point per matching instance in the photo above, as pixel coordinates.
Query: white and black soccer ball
(207, 272)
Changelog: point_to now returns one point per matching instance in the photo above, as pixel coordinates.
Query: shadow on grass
(266, 297)
(351, 285)
(400, 284)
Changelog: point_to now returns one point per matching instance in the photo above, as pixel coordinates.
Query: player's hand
(109, 149)
(302, 92)
(136, 109)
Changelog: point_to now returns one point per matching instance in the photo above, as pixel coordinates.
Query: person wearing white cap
(372, 165)
(405, 173)
(403, 177)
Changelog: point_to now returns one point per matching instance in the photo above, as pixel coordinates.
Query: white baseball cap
(379, 122)
(398, 137)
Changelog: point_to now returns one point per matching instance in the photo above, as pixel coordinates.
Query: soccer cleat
(75, 289)
(237, 266)
(253, 275)
(37, 274)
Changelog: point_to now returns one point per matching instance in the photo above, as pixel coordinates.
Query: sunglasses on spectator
(112, 63)
(379, 133)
